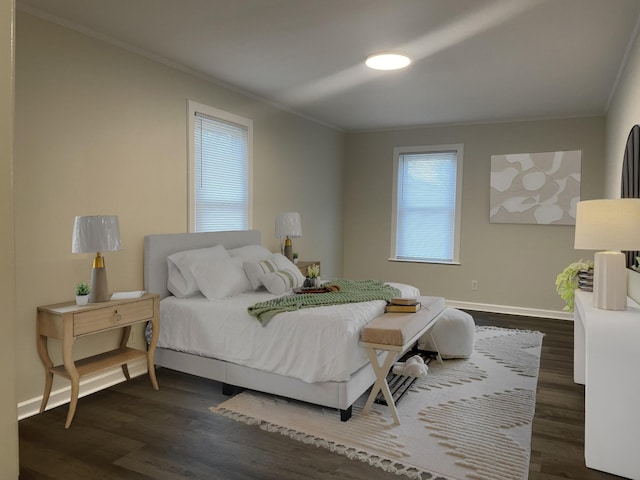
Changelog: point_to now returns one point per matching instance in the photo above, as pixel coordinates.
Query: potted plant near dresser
(82, 293)
(568, 281)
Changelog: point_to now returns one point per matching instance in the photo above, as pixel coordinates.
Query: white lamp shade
(96, 233)
(288, 225)
(611, 224)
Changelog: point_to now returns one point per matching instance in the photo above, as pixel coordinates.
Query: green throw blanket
(351, 291)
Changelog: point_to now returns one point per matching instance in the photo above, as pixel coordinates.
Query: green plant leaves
(567, 281)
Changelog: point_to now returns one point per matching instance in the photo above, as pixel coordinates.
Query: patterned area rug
(468, 419)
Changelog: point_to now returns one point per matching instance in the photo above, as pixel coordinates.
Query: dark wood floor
(130, 431)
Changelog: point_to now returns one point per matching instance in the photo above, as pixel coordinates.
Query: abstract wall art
(535, 188)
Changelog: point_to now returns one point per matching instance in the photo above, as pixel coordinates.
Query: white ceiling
(474, 60)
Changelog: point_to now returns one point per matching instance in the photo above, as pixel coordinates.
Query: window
(219, 170)
(427, 203)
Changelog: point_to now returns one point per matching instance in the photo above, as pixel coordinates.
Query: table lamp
(97, 233)
(611, 225)
(288, 226)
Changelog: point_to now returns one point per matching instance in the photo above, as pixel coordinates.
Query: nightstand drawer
(111, 317)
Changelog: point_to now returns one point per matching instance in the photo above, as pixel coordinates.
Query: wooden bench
(395, 334)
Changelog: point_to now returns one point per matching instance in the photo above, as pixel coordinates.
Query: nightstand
(302, 266)
(67, 321)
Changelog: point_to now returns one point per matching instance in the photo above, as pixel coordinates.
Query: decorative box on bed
(310, 355)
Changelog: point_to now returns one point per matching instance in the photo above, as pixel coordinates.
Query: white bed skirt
(340, 395)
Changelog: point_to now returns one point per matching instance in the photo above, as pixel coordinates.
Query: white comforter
(313, 344)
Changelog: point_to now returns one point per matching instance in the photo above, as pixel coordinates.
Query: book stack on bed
(402, 305)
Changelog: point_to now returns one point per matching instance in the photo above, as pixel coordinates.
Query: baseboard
(88, 386)
(527, 312)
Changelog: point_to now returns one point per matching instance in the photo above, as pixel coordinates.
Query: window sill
(436, 262)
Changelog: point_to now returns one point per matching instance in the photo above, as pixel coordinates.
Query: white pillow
(180, 280)
(250, 253)
(281, 281)
(277, 261)
(220, 278)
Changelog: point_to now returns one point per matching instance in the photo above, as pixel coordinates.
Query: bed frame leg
(345, 414)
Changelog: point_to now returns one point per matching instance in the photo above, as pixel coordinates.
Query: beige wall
(623, 113)
(515, 265)
(8, 421)
(101, 130)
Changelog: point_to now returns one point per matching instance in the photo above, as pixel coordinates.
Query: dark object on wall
(631, 175)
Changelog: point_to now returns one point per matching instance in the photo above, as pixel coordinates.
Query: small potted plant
(567, 281)
(295, 257)
(312, 280)
(82, 293)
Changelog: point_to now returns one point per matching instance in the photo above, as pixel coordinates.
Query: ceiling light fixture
(387, 61)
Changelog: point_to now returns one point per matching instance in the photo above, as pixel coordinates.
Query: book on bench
(403, 301)
(394, 308)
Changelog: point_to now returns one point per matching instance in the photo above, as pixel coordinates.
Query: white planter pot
(82, 299)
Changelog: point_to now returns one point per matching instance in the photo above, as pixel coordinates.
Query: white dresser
(607, 362)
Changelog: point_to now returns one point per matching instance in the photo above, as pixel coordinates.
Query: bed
(276, 369)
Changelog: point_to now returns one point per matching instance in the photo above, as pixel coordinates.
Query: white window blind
(427, 208)
(220, 174)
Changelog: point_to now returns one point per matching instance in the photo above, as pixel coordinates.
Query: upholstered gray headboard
(158, 247)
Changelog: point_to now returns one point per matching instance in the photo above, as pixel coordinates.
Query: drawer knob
(117, 316)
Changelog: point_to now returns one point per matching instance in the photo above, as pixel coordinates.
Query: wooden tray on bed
(327, 289)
